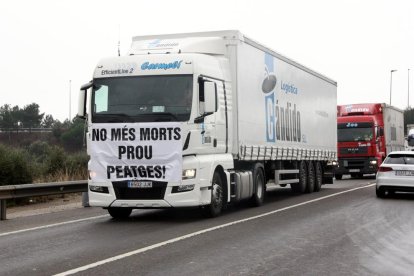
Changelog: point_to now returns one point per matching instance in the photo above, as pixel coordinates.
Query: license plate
(404, 173)
(354, 170)
(139, 184)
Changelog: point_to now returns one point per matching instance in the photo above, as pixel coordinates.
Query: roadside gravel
(51, 205)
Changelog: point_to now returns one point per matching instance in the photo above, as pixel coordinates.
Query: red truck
(366, 134)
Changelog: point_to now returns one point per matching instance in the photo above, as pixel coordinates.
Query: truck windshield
(142, 99)
(355, 134)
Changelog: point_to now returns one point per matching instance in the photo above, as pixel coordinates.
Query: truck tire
(338, 176)
(318, 176)
(119, 213)
(217, 197)
(259, 185)
(310, 183)
(303, 177)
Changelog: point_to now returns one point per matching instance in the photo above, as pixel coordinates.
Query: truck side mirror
(210, 97)
(380, 132)
(82, 100)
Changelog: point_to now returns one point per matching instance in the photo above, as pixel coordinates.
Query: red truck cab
(361, 139)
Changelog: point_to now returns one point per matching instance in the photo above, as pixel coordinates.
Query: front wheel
(119, 213)
(217, 198)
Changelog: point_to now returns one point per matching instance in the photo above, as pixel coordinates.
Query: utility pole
(408, 100)
(391, 84)
(70, 99)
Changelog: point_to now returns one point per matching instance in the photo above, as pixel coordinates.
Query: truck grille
(122, 191)
(356, 164)
(357, 150)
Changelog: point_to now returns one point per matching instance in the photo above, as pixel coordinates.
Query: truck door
(214, 130)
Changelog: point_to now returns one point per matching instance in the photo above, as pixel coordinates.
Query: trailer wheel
(338, 176)
(217, 198)
(303, 175)
(259, 184)
(318, 176)
(119, 213)
(310, 185)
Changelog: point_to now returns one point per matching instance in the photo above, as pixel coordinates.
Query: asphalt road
(342, 230)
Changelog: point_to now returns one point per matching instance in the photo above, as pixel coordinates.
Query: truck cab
(165, 93)
(366, 133)
(361, 145)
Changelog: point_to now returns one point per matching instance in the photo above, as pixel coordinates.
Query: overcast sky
(45, 44)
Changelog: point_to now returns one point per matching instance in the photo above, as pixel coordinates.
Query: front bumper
(356, 166)
(150, 197)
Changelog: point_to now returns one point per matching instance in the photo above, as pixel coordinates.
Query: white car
(396, 173)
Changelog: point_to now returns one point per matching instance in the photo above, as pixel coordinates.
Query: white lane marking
(157, 245)
(51, 225)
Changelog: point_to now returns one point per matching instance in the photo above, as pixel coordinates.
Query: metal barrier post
(85, 199)
(3, 209)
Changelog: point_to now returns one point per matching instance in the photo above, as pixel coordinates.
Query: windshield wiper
(166, 113)
(115, 117)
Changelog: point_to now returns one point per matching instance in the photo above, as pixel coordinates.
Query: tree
(31, 116)
(73, 137)
(9, 117)
(48, 121)
(6, 119)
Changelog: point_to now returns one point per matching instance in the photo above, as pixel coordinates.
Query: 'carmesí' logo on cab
(165, 66)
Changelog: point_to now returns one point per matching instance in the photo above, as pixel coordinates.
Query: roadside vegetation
(35, 148)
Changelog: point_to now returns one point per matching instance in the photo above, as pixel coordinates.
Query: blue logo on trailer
(268, 86)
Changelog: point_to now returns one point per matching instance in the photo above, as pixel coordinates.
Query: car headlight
(189, 173)
(373, 162)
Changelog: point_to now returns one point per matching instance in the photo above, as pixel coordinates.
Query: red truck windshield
(355, 132)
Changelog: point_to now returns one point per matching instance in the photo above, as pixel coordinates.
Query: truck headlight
(332, 163)
(91, 174)
(189, 173)
(373, 162)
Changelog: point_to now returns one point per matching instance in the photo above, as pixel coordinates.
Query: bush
(55, 160)
(14, 166)
(77, 164)
(39, 150)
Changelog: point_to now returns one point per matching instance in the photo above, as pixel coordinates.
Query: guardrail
(39, 189)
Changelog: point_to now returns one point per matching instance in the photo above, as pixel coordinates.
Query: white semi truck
(205, 119)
